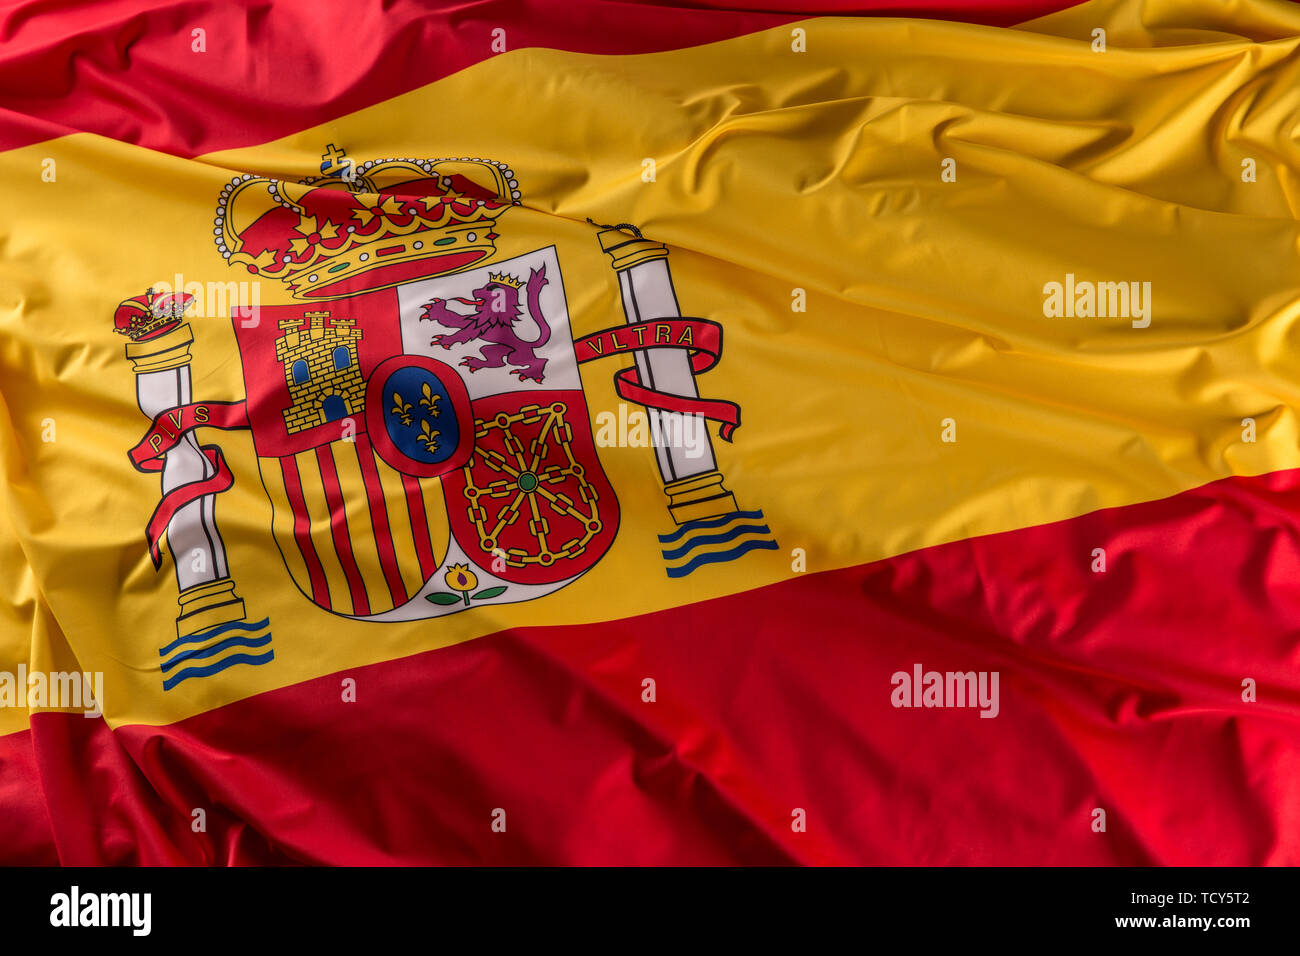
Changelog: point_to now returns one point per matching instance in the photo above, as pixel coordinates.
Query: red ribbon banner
(169, 428)
(701, 337)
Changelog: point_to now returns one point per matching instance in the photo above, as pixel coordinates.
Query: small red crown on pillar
(150, 315)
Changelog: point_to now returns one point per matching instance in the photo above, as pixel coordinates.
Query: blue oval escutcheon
(418, 415)
(420, 419)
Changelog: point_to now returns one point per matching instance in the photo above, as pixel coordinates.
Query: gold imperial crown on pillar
(360, 227)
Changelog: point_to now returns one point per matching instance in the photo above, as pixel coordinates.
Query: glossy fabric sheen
(1121, 692)
(775, 171)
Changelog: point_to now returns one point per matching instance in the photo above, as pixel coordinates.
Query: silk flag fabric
(620, 433)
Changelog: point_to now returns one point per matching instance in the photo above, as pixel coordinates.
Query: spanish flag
(600, 433)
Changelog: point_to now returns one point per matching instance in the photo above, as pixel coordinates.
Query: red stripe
(26, 835)
(419, 526)
(126, 68)
(339, 530)
(1119, 690)
(379, 517)
(320, 592)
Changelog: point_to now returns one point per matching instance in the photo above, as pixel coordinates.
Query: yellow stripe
(282, 523)
(399, 521)
(924, 300)
(435, 510)
(361, 531)
(313, 492)
(19, 602)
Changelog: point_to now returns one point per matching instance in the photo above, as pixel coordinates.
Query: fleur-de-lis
(429, 436)
(401, 408)
(430, 400)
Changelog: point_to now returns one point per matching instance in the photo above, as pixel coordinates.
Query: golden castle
(320, 368)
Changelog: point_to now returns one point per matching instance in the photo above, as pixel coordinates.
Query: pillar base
(205, 606)
(700, 496)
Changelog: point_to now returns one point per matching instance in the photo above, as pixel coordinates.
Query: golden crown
(360, 227)
(503, 279)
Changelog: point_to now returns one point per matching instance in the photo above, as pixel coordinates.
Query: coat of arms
(418, 415)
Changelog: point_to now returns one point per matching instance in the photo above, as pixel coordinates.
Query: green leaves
(444, 597)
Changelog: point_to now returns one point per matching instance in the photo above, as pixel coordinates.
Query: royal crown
(148, 316)
(373, 225)
(503, 279)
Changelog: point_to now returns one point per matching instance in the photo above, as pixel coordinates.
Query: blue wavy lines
(242, 634)
(701, 548)
(237, 640)
(716, 557)
(730, 534)
(700, 523)
(217, 666)
(201, 636)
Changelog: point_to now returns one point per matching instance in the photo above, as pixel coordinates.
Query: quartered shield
(427, 446)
